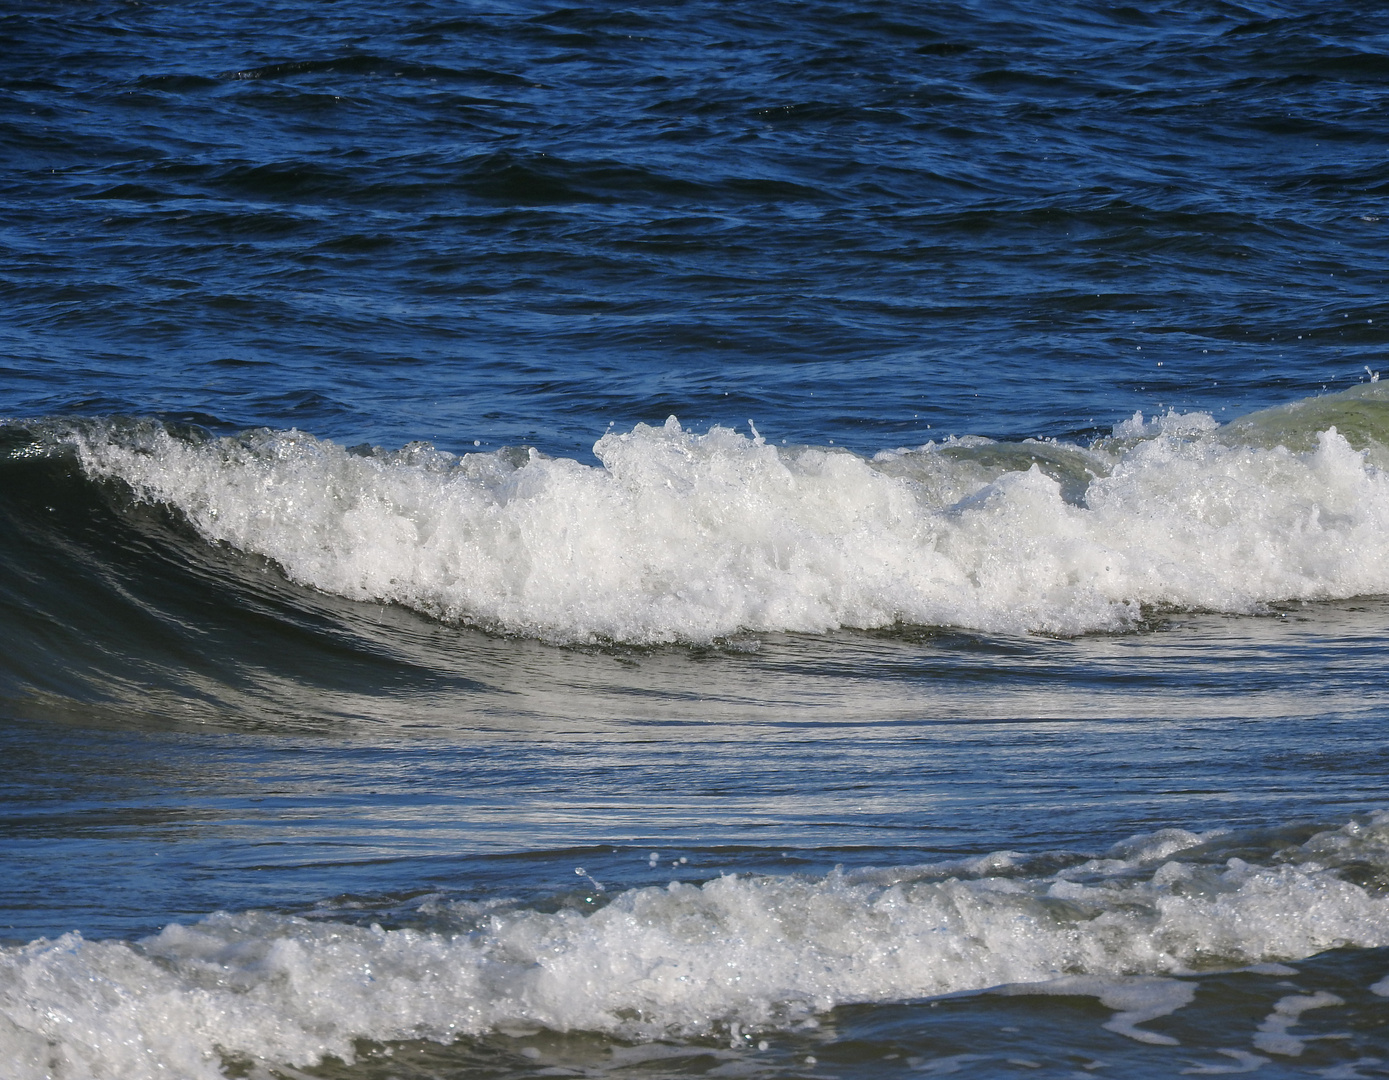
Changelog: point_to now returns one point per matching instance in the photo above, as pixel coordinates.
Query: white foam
(683, 536)
(1271, 969)
(1168, 423)
(1245, 1062)
(946, 1066)
(1274, 1037)
(1350, 1070)
(1135, 999)
(761, 953)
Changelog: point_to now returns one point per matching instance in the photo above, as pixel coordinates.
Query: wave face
(755, 953)
(679, 536)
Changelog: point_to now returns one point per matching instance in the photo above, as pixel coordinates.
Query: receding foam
(761, 953)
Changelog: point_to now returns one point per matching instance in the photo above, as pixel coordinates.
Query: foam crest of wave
(685, 536)
(686, 960)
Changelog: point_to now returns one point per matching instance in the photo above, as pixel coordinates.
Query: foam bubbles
(1274, 1037)
(688, 536)
(1135, 999)
(1168, 423)
(733, 955)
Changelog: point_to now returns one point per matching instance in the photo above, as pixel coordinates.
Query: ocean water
(693, 539)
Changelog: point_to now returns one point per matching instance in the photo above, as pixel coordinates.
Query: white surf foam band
(761, 953)
(689, 537)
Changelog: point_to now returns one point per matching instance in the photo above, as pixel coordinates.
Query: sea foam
(694, 536)
(763, 953)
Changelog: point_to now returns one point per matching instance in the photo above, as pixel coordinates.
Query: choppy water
(703, 539)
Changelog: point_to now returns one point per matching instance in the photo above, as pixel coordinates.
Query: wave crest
(688, 536)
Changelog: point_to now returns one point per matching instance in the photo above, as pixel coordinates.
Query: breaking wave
(734, 954)
(681, 536)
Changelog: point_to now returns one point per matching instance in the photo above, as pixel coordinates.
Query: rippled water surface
(842, 540)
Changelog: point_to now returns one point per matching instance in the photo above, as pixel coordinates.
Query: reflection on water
(184, 730)
(846, 748)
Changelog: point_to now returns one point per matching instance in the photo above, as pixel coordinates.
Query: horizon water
(693, 540)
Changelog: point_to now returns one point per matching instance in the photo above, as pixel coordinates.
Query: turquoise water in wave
(693, 540)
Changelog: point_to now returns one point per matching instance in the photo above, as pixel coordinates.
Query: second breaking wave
(690, 961)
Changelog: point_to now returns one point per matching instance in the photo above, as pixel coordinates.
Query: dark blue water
(389, 689)
(519, 225)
